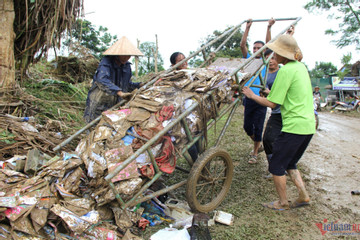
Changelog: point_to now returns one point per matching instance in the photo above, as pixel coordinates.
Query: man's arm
(243, 47)
(268, 31)
(260, 100)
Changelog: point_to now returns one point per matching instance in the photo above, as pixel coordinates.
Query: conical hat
(123, 47)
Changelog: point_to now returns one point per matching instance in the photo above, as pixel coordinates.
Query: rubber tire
(358, 108)
(195, 176)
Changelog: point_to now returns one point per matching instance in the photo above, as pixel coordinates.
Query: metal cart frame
(213, 170)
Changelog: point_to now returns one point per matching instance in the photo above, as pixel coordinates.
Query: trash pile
(20, 134)
(67, 196)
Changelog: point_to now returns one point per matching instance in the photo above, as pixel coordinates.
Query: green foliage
(58, 100)
(231, 49)
(323, 69)
(97, 40)
(346, 69)
(147, 62)
(348, 14)
(6, 136)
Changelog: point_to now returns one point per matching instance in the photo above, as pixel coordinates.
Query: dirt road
(333, 161)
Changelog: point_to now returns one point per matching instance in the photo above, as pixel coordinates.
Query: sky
(181, 25)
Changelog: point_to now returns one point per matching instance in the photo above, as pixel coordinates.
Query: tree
(38, 26)
(323, 69)
(349, 28)
(147, 62)
(346, 68)
(97, 41)
(7, 66)
(231, 48)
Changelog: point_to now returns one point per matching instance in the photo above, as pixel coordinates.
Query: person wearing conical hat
(112, 80)
(293, 91)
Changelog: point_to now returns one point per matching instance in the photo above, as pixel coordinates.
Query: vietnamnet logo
(336, 228)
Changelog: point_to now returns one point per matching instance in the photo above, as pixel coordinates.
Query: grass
(57, 100)
(249, 190)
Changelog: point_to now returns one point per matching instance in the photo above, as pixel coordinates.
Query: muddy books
(67, 196)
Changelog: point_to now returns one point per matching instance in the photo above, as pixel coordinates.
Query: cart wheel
(209, 180)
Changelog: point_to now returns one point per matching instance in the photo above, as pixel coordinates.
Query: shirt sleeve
(279, 88)
(103, 80)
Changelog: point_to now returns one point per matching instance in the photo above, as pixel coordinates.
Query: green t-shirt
(292, 90)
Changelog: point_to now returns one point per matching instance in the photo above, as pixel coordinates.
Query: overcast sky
(181, 25)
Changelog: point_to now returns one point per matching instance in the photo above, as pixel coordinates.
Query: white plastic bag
(171, 233)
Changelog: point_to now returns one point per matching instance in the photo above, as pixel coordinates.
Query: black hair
(174, 56)
(260, 42)
(268, 52)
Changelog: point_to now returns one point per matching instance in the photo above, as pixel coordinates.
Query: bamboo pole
(137, 61)
(156, 54)
(263, 47)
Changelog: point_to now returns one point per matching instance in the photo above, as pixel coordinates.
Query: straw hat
(285, 46)
(123, 47)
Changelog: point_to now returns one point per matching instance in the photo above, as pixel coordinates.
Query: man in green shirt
(292, 90)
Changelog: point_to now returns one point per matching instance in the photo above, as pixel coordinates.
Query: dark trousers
(287, 151)
(272, 131)
(254, 117)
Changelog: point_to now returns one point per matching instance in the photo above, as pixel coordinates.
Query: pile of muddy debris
(20, 134)
(66, 196)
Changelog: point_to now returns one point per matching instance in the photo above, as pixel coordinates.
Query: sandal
(276, 206)
(253, 159)
(261, 149)
(296, 204)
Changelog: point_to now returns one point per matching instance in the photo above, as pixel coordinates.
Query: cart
(210, 176)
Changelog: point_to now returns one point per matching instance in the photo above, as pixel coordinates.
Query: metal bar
(137, 136)
(188, 158)
(93, 122)
(153, 161)
(258, 74)
(215, 106)
(189, 144)
(117, 195)
(225, 126)
(267, 68)
(221, 45)
(186, 128)
(204, 55)
(234, 31)
(263, 47)
(158, 193)
(143, 188)
(276, 19)
(182, 169)
(190, 56)
(208, 44)
(56, 148)
(222, 113)
(257, 86)
(153, 140)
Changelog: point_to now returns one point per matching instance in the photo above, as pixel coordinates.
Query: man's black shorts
(287, 150)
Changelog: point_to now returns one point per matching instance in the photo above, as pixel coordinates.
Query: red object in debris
(167, 159)
(148, 171)
(165, 113)
(160, 79)
(142, 223)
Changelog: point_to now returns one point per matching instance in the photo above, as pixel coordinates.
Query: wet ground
(329, 168)
(333, 161)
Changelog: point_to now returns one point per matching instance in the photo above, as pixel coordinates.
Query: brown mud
(333, 160)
